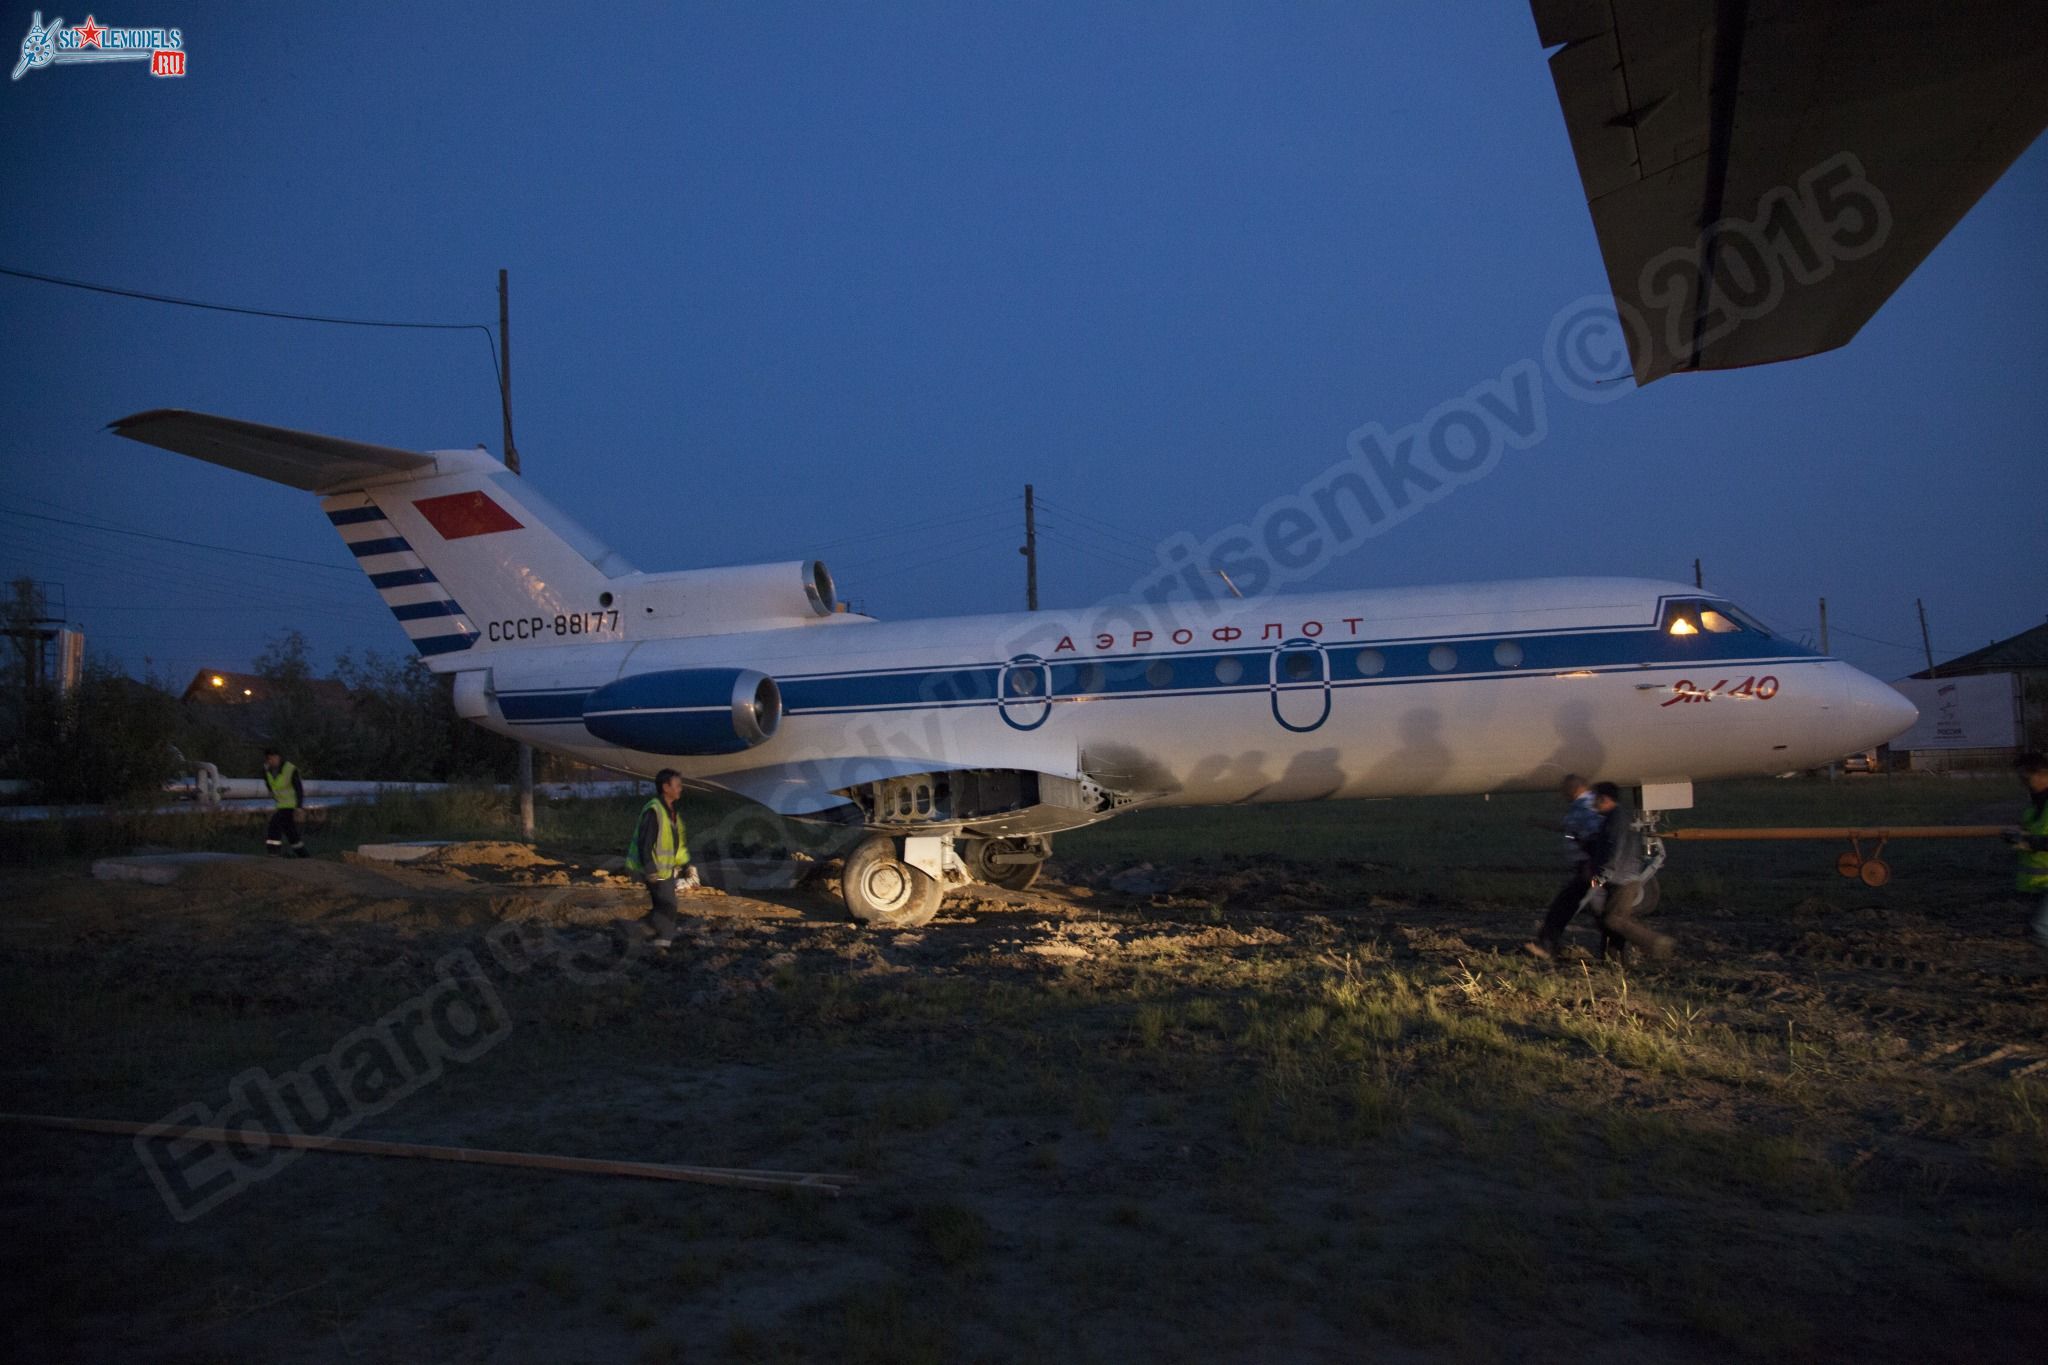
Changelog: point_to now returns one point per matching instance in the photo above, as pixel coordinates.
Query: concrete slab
(159, 869)
(410, 851)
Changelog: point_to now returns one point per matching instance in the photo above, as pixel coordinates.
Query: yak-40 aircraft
(960, 745)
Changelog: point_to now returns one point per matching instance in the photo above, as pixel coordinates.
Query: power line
(980, 548)
(148, 297)
(1873, 640)
(1096, 539)
(159, 569)
(976, 537)
(1108, 528)
(901, 528)
(1060, 537)
(173, 540)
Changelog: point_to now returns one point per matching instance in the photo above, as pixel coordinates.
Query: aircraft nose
(1875, 712)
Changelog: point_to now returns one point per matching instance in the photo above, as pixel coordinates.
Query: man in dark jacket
(1581, 823)
(658, 855)
(1615, 854)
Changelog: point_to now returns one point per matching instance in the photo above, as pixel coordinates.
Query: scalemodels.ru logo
(162, 48)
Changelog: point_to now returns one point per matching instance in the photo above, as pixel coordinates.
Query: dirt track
(1236, 1108)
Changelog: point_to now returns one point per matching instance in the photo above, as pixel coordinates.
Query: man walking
(289, 793)
(1581, 823)
(658, 854)
(1616, 856)
(2031, 841)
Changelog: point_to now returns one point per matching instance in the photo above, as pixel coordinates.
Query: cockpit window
(1699, 618)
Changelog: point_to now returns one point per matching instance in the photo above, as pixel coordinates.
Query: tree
(109, 739)
(402, 715)
(318, 739)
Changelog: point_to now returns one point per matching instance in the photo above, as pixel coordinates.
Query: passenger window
(1160, 674)
(1228, 670)
(1299, 666)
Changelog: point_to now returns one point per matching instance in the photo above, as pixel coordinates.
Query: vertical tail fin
(460, 549)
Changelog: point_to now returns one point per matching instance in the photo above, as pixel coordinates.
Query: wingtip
(119, 426)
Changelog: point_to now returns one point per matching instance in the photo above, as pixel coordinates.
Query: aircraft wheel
(1009, 876)
(882, 890)
(1647, 901)
(1875, 872)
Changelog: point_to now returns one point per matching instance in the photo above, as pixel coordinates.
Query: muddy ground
(1306, 1100)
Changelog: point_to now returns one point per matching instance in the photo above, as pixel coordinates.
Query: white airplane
(962, 744)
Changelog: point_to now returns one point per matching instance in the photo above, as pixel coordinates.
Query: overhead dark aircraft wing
(1835, 141)
(299, 458)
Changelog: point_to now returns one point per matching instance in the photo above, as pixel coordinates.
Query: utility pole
(1030, 552)
(1834, 769)
(1697, 581)
(512, 463)
(505, 368)
(1921, 607)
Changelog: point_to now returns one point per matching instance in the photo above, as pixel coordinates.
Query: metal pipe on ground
(737, 1177)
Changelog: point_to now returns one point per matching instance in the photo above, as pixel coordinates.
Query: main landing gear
(897, 882)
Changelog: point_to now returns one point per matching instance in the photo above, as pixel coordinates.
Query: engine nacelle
(695, 712)
(733, 598)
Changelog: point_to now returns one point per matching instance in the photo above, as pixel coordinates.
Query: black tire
(883, 891)
(1010, 876)
(1647, 901)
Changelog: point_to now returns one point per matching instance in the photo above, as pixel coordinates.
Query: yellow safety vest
(281, 790)
(2034, 862)
(670, 852)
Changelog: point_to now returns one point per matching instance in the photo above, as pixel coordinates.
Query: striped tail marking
(433, 620)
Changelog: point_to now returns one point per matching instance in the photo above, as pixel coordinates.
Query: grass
(594, 826)
(1372, 1130)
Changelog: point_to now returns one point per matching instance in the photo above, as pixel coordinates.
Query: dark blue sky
(788, 275)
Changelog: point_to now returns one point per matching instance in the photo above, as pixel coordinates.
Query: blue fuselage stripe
(1365, 664)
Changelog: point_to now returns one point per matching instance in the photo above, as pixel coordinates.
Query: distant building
(225, 687)
(1980, 709)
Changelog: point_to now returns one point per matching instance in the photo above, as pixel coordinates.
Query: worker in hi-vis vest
(659, 856)
(2031, 841)
(290, 795)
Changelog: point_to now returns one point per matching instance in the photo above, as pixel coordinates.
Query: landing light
(247, 692)
(1681, 626)
(219, 681)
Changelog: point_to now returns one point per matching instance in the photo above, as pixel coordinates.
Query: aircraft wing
(1840, 140)
(298, 458)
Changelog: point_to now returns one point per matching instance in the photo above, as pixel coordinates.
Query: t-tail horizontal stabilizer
(300, 459)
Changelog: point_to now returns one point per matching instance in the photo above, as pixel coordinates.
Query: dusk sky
(839, 279)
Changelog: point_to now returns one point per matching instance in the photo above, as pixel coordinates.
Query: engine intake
(691, 712)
